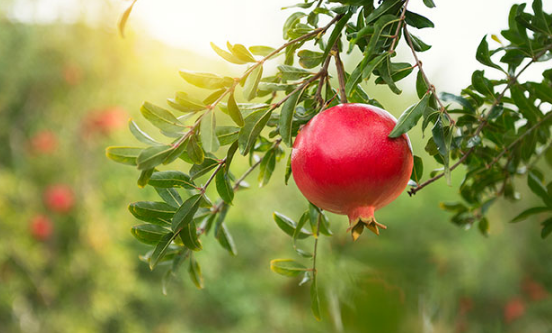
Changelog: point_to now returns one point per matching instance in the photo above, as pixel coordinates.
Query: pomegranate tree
(343, 161)
(348, 156)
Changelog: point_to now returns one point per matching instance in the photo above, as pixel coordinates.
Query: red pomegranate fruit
(344, 162)
(41, 227)
(59, 198)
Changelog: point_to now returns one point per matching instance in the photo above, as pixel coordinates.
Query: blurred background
(68, 262)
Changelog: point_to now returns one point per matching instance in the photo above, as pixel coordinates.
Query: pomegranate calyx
(356, 227)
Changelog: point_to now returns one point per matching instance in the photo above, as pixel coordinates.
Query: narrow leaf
(152, 156)
(224, 188)
(287, 267)
(161, 118)
(225, 240)
(234, 111)
(185, 213)
(252, 82)
(410, 117)
(141, 135)
(150, 234)
(160, 249)
(124, 155)
(195, 273)
(286, 117)
(167, 179)
(289, 226)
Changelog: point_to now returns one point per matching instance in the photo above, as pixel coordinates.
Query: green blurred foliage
(423, 274)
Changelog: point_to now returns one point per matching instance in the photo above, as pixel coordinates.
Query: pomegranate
(44, 142)
(59, 198)
(41, 227)
(344, 162)
(514, 309)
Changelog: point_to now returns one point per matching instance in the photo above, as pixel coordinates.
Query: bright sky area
(188, 24)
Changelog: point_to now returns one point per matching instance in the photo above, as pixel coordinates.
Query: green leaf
(385, 72)
(234, 111)
(144, 177)
(213, 97)
(267, 166)
(178, 151)
(310, 59)
(287, 267)
(292, 73)
(458, 99)
(528, 212)
(161, 249)
(291, 21)
(150, 234)
(483, 226)
(526, 107)
(167, 179)
(288, 170)
(254, 124)
(224, 188)
(546, 228)
(421, 86)
(124, 18)
(429, 3)
(261, 50)
(185, 213)
(185, 103)
(227, 134)
(227, 55)
(442, 137)
(410, 117)
(336, 33)
(388, 6)
(230, 156)
(419, 45)
(195, 273)
(286, 117)
(417, 169)
(289, 226)
(161, 118)
(315, 299)
(418, 21)
(380, 24)
(195, 153)
(538, 188)
(482, 84)
(124, 155)
(299, 231)
(206, 80)
(483, 56)
(225, 240)
(141, 135)
(198, 170)
(241, 52)
(153, 156)
(151, 211)
(170, 196)
(252, 82)
(207, 132)
(188, 235)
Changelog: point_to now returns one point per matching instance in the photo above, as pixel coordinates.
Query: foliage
(497, 135)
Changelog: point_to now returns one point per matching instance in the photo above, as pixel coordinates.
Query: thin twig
(323, 75)
(400, 23)
(340, 72)
(442, 108)
(219, 167)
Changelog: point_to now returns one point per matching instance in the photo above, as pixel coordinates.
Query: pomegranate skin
(344, 162)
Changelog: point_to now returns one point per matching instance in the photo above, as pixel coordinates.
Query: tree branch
(340, 72)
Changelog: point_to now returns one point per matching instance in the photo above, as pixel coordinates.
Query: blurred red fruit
(534, 290)
(106, 121)
(514, 309)
(59, 198)
(44, 142)
(41, 227)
